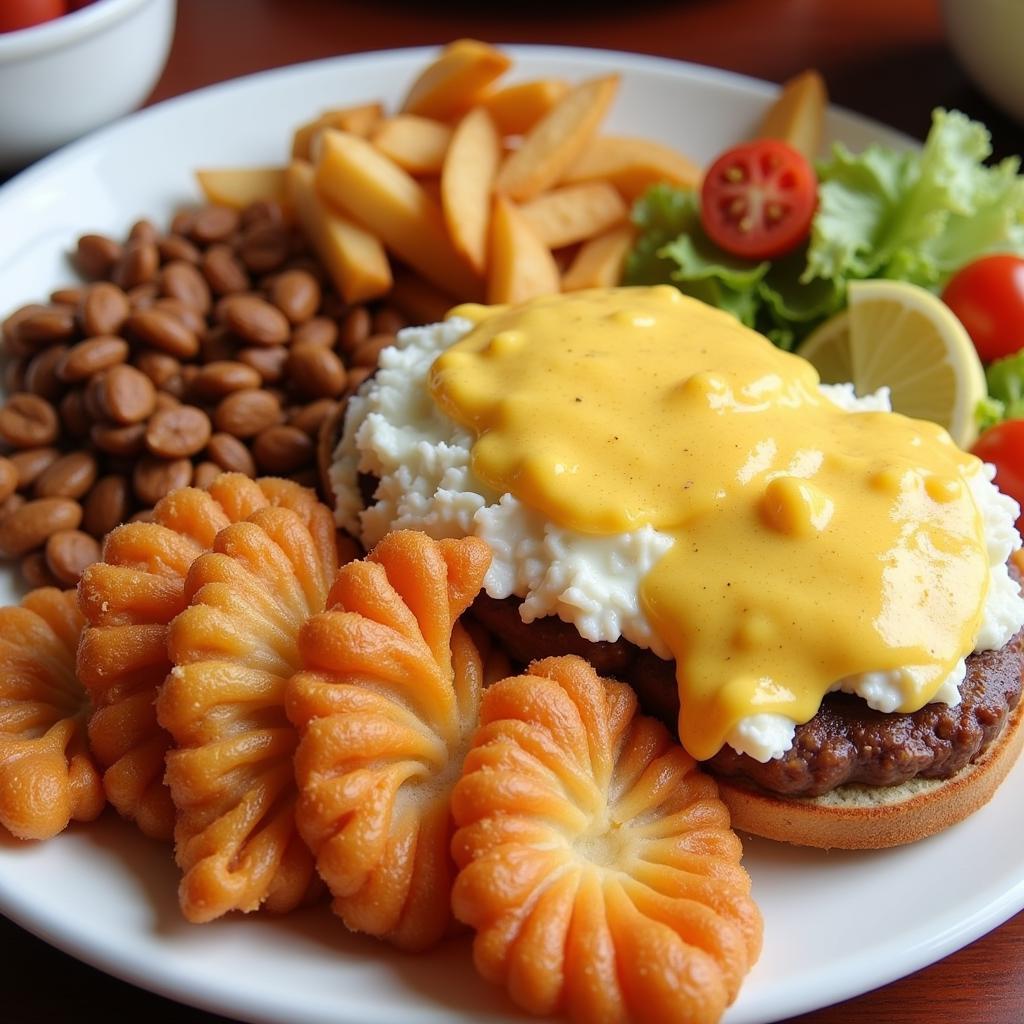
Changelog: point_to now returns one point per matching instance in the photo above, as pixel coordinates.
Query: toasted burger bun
(856, 817)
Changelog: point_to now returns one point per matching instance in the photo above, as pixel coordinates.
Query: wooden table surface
(883, 58)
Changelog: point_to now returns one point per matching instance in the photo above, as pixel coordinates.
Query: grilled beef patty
(846, 741)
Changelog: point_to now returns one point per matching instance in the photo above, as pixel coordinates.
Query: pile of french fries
(473, 190)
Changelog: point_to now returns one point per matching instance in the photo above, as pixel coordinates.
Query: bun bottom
(857, 817)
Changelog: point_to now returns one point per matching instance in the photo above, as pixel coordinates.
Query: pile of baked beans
(217, 345)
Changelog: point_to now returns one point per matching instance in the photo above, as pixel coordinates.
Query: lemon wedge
(901, 336)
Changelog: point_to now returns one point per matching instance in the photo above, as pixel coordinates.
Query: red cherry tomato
(16, 14)
(987, 297)
(1003, 446)
(758, 199)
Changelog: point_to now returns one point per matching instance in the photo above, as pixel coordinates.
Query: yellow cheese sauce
(810, 543)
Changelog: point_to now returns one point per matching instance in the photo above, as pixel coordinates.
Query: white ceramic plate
(837, 924)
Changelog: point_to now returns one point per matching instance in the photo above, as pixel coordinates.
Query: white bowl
(65, 77)
(987, 37)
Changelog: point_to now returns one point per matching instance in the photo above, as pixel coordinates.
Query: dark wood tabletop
(884, 58)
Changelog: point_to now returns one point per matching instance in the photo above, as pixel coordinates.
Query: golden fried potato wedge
(598, 261)
(417, 144)
(574, 213)
(466, 181)
(517, 108)
(557, 140)
(521, 266)
(240, 186)
(359, 120)
(632, 165)
(798, 115)
(450, 85)
(360, 181)
(356, 260)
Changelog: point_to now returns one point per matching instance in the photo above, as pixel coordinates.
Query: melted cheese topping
(809, 543)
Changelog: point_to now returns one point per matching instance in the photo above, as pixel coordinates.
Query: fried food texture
(47, 775)
(386, 706)
(597, 864)
(230, 772)
(128, 598)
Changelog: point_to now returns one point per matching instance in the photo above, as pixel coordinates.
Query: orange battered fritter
(47, 776)
(230, 773)
(387, 706)
(128, 598)
(597, 862)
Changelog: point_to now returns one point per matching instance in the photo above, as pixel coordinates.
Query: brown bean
(315, 372)
(92, 356)
(68, 553)
(214, 224)
(387, 320)
(265, 247)
(188, 315)
(11, 505)
(159, 367)
(8, 478)
(14, 374)
(142, 296)
(28, 421)
(163, 331)
(143, 231)
(297, 294)
(269, 363)
(29, 526)
(356, 376)
(309, 417)
(47, 327)
(223, 270)
(13, 345)
(42, 373)
(245, 413)
(138, 264)
(103, 310)
(36, 573)
(181, 280)
(255, 320)
(204, 474)
(106, 506)
(223, 376)
(96, 255)
(126, 395)
(73, 416)
(182, 221)
(32, 462)
(262, 211)
(165, 400)
(154, 478)
(230, 454)
(177, 247)
(179, 432)
(67, 296)
(355, 328)
(318, 331)
(128, 441)
(70, 476)
(282, 449)
(367, 352)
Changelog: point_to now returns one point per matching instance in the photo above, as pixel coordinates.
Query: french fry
(521, 266)
(417, 144)
(574, 213)
(359, 120)
(419, 300)
(598, 262)
(632, 165)
(357, 179)
(557, 139)
(466, 180)
(355, 259)
(450, 85)
(517, 108)
(798, 115)
(240, 186)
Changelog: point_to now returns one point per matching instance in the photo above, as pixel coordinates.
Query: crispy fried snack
(597, 863)
(386, 707)
(47, 776)
(127, 599)
(234, 649)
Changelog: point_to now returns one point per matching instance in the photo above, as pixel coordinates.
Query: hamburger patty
(846, 741)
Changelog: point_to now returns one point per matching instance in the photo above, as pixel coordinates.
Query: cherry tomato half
(987, 297)
(1003, 446)
(758, 199)
(17, 14)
